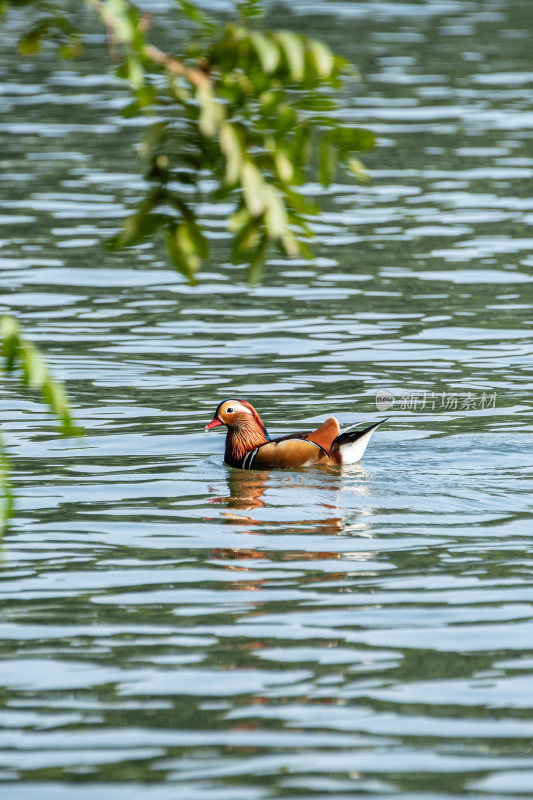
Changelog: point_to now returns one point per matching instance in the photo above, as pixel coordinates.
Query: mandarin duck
(248, 445)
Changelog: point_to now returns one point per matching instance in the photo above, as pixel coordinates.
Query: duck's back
(295, 450)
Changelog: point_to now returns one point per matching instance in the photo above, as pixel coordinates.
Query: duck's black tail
(349, 445)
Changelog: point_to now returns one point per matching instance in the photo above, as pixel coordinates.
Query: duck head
(245, 429)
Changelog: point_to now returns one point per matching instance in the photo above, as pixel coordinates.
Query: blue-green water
(171, 628)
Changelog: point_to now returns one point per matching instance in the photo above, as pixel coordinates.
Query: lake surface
(173, 628)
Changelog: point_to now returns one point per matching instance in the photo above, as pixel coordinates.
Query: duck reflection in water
(246, 492)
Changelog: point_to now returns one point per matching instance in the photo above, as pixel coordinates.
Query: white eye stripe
(237, 408)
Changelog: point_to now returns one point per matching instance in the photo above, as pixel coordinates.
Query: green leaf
(56, 398)
(290, 244)
(301, 204)
(257, 261)
(136, 228)
(30, 43)
(211, 112)
(146, 95)
(270, 101)
(287, 120)
(267, 50)
(135, 73)
(249, 8)
(72, 49)
(230, 144)
(358, 169)
(7, 500)
(198, 241)
(354, 138)
(246, 238)
(275, 214)
(284, 166)
(181, 249)
(238, 220)
(195, 14)
(294, 53)
(313, 101)
(9, 333)
(323, 57)
(300, 148)
(187, 245)
(253, 186)
(156, 135)
(35, 371)
(304, 250)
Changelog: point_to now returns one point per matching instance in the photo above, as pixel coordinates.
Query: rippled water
(172, 628)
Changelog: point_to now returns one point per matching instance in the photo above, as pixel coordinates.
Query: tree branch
(196, 76)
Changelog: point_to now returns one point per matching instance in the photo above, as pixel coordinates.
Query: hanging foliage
(22, 358)
(245, 115)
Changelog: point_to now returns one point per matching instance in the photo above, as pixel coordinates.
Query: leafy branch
(245, 115)
(18, 354)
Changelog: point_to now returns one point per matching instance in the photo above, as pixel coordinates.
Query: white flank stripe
(247, 463)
